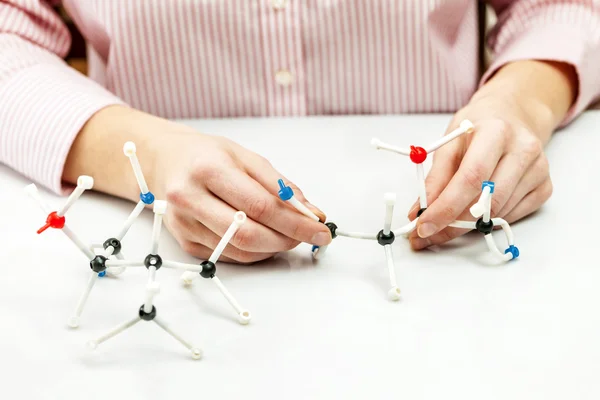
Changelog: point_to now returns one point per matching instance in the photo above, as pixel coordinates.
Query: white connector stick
(129, 222)
(194, 268)
(422, 187)
(83, 183)
(506, 228)
(160, 207)
(466, 126)
(494, 249)
(303, 209)
(394, 292)
(74, 319)
(379, 145)
(196, 352)
(152, 289)
(93, 344)
(408, 228)
(33, 192)
(243, 315)
(130, 151)
(80, 245)
(482, 206)
(238, 220)
(124, 263)
(463, 224)
(356, 235)
(390, 201)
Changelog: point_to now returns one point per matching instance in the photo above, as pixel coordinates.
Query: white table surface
(465, 327)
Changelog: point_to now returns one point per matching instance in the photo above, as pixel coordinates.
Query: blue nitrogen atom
(514, 250)
(147, 198)
(489, 184)
(101, 274)
(285, 192)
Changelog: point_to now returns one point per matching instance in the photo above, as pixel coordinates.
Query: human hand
(206, 179)
(506, 147)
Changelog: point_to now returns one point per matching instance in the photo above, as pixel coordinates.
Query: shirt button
(284, 77)
(279, 4)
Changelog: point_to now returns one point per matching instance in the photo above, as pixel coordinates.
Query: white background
(466, 328)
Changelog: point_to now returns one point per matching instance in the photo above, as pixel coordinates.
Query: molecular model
(386, 237)
(111, 260)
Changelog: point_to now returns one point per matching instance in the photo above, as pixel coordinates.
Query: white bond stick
(93, 344)
(83, 183)
(160, 207)
(390, 200)
(238, 220)
(483, 204)
(422, 187)
(130, 151)
(302, 208)
(33, 192)
(74, 319)
(506, 228)
(75, 239)
(379, 145)
(494, 249)
(319, 252)
(196, 352)
(394, 292)
(465, 127)
(152, 289)
(463, 224)
(119, 269)
(123, 263)
(108, 251)
(134, 214)
(356, 235)
(408, 228)
(243, 315)
(194, 268)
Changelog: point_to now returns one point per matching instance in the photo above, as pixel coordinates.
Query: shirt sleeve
(550, 30)
(44, 103)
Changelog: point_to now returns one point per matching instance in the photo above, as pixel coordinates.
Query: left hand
(506, 147)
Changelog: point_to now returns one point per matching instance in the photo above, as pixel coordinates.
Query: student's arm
(56, 124)
(43, 102)
(544, 74)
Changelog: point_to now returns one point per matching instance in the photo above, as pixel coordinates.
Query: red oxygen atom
(418, 154)
(53, 221)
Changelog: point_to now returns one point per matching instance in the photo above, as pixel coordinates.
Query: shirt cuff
(42, 109)
(559, 42)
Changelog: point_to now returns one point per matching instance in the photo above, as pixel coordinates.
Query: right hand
(205, 180)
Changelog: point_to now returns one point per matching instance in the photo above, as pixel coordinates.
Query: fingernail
(321, 239)
(427, 229)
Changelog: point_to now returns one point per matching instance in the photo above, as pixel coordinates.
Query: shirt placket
(282, 55)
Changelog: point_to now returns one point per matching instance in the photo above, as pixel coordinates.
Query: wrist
(540, 92)
(98, 150)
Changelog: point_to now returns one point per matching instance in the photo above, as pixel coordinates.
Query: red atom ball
(418, 154)
(53, 221)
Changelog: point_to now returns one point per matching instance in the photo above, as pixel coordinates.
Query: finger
(445, 235)
(477, 166)
(446, 161)
(509, 172)
(533, 177)
(243, 193)
(261, 170)
(531, 202)
(217, 216)
(203, 252)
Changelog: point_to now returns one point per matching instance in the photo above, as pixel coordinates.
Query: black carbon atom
(98, 264)
(115, 243)
(384, 239)
(484, 227)
(208, 269)
(332, 228)
(147, 316)
(153, 260)
(421, 211)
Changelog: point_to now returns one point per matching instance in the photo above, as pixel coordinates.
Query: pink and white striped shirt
(229, 58)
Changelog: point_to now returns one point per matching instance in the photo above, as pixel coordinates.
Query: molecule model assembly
(112, 261)
(386, 237)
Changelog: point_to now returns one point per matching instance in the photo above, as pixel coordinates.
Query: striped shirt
(233, 58)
